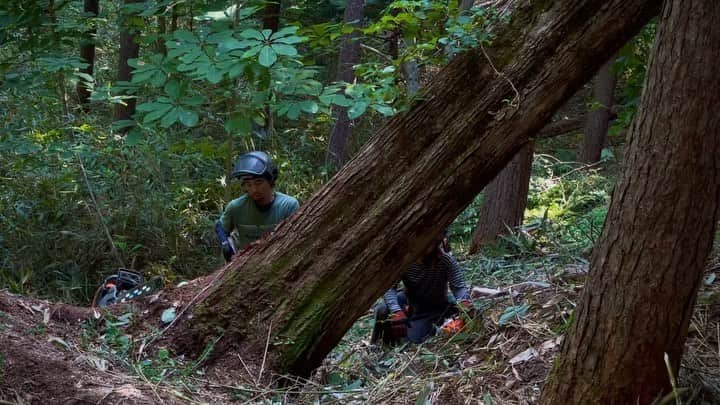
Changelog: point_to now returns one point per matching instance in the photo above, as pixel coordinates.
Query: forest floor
(55, 353)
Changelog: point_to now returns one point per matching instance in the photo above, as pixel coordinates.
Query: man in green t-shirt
(250, 216)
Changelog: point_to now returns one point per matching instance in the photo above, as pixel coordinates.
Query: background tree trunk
(598, 120)
(271, 15)
(87, 52)
(649, 260)
(349, 56)
(128, 49)
(299, 287)
(504, 200)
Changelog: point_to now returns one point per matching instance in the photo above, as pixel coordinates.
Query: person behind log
(416, 312)
(255, 213)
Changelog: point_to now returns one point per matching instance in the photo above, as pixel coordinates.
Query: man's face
(259, 189)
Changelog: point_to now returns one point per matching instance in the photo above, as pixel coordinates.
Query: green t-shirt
(247, 223)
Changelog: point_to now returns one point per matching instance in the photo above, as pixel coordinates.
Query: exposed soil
(53, 353)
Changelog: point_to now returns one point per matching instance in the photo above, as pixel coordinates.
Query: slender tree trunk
(173, 19)
(304, 286)
(411, 73)
(349, 56)
(162, 29)
(128, 49)
(596, 126)
(504, 200)
(62, 91)
(271, 15)
(649, 260)
(87, 52)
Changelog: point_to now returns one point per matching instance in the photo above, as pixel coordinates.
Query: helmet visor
(250, 165)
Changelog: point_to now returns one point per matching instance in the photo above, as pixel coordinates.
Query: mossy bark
(312, 278)
(649, 261)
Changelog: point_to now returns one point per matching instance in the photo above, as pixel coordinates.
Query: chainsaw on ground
(124, 286)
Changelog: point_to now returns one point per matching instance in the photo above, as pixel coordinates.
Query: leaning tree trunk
(87, 52)
(304, 286)
(129, 49)
(349, 56)
(649, 260)
(596, 126)
(504, 200)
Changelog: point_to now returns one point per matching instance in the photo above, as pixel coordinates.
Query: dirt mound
(41, 361)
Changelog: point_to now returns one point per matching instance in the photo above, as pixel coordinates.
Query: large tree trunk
(129, 49)
(598, 120)
(504, 199)
(305, 285)
(648, 263)
(349, 56)
(87, 52)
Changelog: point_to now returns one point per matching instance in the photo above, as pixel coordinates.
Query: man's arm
(223, 228)
(456, 279)
(391, 300)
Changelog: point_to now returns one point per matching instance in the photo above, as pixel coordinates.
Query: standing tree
(129, 49)
(504, 199)
(87, 50)
(649, 260)
(349, 56)
(304, 286)
(596, 126)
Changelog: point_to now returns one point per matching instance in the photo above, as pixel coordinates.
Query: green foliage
(631, 65)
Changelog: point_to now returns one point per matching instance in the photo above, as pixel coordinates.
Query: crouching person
(417, 311)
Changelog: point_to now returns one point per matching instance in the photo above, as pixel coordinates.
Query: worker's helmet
(255, 164)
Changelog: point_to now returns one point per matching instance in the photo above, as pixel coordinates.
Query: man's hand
(398, 324)
(227, 250)
(467, 308)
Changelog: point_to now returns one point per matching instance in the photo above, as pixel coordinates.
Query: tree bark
(129, 49)
(299, 287)
(504, 201)
(87, 52)
(349, 56)
(649, 260)
(596, 127)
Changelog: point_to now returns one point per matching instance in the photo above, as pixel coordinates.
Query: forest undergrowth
(525, 287)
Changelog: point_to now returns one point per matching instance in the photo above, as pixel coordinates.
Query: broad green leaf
(132, 138)
(170, 118)
(266, 34)
(383, 109)
(342, 101)
(157, 113)
(267, 57)
(252, 52)
(188, 118)
(286, 50)
(172, 89)
(289, 40)
(252, 34)
(213, 75)
(86, 77)
(232, 44)
(294, 111)
(285, 32)
(147, 107)
(357, 109)
(308, 106)
(158, 78)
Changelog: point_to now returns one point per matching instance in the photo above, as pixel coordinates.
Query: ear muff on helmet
(256, 164)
